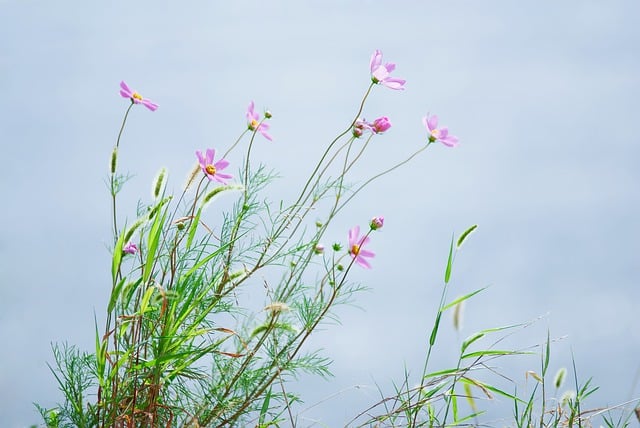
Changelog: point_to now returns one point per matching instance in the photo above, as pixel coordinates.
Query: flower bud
(318, 249)
(336, 247)
(268, 115)
(130, 248)
(376, 223)
(381, 125)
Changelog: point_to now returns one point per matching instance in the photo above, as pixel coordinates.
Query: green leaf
(469, 341)
(434, 332)
(447, 273)
(192, 227)
(117, 257)
(493, 352)
(463, 298)
(465, 234)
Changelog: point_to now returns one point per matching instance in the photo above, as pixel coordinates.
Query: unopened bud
(376, 223)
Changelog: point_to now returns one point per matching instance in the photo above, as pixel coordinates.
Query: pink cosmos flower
(376, 223)
(130, 248)
(253, 122)
(356, 250)
(438, 134)
(135, 97)
(212, 170)
(381, 74)
(381, 125)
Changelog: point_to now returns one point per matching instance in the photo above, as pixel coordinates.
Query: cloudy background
(543, 95)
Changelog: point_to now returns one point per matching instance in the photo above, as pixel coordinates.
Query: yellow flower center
(211, 170)
(254, 124)
(355, 249)
(137, 96)
(435, 133)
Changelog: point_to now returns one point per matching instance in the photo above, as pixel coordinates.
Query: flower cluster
(378, 126)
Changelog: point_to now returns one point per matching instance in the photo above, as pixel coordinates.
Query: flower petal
(362, 262)
(211, 153)
(150, 105)
(221, 164)
(366, 253)
(432, 122)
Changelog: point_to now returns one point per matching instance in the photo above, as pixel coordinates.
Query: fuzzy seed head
(157, 186)
(114, 160)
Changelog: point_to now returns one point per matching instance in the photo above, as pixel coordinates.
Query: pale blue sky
(543, 95)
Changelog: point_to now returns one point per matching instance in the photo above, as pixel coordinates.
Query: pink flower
(381, 74)
(130, 248)
(380, 125)
(356, 250)
(212, 170)
(376, 223)
(438, 134)
(135, 97)
(254, 124)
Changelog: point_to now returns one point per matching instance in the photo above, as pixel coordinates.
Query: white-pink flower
(381, 73)
(438, 134)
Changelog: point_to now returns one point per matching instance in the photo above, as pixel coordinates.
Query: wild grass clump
(181, 344)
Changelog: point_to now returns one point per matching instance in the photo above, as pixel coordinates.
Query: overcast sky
(543, 96)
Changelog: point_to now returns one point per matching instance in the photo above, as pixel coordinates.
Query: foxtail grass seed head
(114, 160)
(533, 375)
(192, 176)
(558, 380)
(238, 274)
(458, 310)
(568, 397)
(159, 182)
(276, 307)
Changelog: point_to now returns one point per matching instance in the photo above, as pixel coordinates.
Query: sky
(543, 97)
